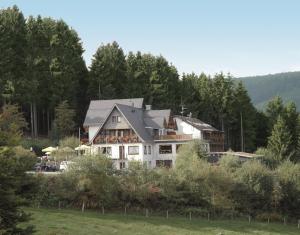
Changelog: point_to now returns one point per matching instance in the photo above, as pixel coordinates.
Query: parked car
(51, 168)
(64, 165)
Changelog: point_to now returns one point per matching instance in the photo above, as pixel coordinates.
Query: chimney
(148, 106)
(132, 105)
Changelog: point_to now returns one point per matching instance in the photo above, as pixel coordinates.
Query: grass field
(54, 222)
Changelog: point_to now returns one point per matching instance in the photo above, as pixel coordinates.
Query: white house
(124, 130)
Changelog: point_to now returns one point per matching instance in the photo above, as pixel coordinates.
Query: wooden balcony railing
(173, 137)
(109, 139)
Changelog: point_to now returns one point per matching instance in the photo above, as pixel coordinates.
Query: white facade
(92, 131)
(187, 129)
(124, 134)
(116, 154)
(149, 154)
(150, 158)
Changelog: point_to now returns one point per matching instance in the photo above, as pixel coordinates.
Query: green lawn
(50, 221)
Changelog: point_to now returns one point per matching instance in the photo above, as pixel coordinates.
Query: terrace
(173, 137)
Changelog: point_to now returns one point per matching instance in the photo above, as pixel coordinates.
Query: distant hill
(263, 88)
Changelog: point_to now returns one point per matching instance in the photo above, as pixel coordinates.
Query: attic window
(116, 119)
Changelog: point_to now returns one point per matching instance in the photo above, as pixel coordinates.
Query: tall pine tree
(107, 77)
(280, 140)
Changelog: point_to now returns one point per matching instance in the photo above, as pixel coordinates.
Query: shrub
(273, 217)
(37, 144)
(69, 141)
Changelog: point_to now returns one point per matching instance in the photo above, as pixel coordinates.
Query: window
(149, 149)
(165, 149)
(105, 150)
(133, 150)
(122, 165)
(119, 133)
(116, 119)
(164, 163)
(145, 149)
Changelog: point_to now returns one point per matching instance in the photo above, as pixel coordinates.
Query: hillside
(262, 88)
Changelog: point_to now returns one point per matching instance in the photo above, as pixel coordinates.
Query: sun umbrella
(49, 149)
(82, 147)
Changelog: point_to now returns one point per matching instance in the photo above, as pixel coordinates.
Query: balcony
(110, 139)
(173, 137)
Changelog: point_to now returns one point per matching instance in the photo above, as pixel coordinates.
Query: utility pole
(182, 108)
(242, 134)
(79, 135)
(99, 91)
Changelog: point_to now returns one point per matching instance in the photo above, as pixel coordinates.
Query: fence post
(208, 216)
(125, 210)
(147, 213)
(190, 215)
(167, 214)
(268, 220)
(59, 205)
(299, 223)
(284, 221)
(103, 210)
(249, 219)
(83, 206)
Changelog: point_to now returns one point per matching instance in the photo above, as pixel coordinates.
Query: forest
(45, 84)
(42, 66)
(263, 88)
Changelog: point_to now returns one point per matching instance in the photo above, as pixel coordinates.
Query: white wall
(145, 158)
(92, 131)
(148, 159)
(170, 156)
(115, 150)
(185, 128)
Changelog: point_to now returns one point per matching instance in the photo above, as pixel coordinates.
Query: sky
(241, 37)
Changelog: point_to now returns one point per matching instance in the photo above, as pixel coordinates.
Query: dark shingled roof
(99, 109)
(132, 109)
(155, 118)
(135, 118)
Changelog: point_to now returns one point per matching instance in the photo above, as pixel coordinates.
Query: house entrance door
(121, 153)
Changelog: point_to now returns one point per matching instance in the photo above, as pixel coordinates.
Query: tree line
(43, 71)
(230, 189)
(41, 66)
